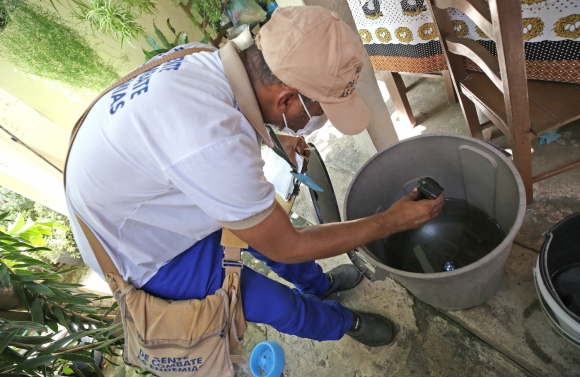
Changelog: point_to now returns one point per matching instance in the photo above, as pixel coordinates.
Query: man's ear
(284, 98)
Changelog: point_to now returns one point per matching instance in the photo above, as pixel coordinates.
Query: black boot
(371, 329)
(343, 278)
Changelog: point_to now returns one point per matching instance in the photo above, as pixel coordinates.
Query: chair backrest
(500, 20)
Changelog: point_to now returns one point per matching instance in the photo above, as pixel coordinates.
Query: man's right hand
(410, 213)
(279, 240)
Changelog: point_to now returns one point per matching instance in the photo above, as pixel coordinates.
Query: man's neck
(260, 91)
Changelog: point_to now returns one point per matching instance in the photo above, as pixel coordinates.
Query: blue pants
(198, 272)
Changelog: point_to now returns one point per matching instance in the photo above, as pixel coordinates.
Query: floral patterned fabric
(399, 35)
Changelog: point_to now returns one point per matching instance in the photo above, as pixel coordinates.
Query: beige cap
(312, 50)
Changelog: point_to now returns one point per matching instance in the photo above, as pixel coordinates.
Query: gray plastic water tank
(468, 169)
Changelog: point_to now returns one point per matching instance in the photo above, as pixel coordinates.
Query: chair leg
(449, 86)
(397, 91)
(471, 117)
(522, 152)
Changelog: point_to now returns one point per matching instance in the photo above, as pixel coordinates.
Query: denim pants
(198, 272)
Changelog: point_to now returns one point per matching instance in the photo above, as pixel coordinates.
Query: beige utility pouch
(180, 338)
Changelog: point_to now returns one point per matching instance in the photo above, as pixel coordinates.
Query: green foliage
(31, 231)
(180, 38)
(7, 6)
(141, 6)
(116, 19)
(4, 16)
(37, 224)
(39, 42)
(211, 11)
(49, 343)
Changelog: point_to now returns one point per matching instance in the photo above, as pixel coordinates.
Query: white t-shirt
(163, 161)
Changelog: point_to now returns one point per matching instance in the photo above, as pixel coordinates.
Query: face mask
(315, 123)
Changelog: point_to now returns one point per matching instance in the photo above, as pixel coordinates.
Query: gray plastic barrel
(468, 169)
(557, 278)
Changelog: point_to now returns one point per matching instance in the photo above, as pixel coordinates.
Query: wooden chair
(522, 109)
(398, 92)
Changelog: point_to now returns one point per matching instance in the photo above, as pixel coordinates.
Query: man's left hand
(295, 144)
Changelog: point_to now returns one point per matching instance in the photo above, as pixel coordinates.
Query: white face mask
(315, 123)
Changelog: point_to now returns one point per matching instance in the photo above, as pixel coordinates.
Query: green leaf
(205, 38)
(114, 306)
(161, 51)
(36, 262)
(18, 223)
(110, 361)
(76, 357)
(12, 356)
(148, 54)
(36, 239)
(183, 38)
(31, 339)
(151, 54)
(93, 366)
(23, 325)
(50, 276)
(66, 340)
(36, 311)
(7, 366)
(61, 318)
(53, 325)
(24, 277)
(57, 284)
(83, 308)
(35, 362)
(22, 265)
(4, 276)
(108, 343)
(17, 243)
(33, 350)
(79, 324)
(39, 249)
(19, 291)
(67, 371)
(161, 37)
(3, 215)
(170, 28)
(152, 42)
(92, 296)
(70, 300)
(77, 370)
(7, 340)
(37, 288)
(57, 292)
(108, 330)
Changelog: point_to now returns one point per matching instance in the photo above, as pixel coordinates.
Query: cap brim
(350, 117)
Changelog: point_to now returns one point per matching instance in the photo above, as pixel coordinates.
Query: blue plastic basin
(267, 359)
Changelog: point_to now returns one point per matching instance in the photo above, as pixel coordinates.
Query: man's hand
(410, 213)
(279, 240)
(295, 144)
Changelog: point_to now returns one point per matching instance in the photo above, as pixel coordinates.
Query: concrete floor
(506, 336)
